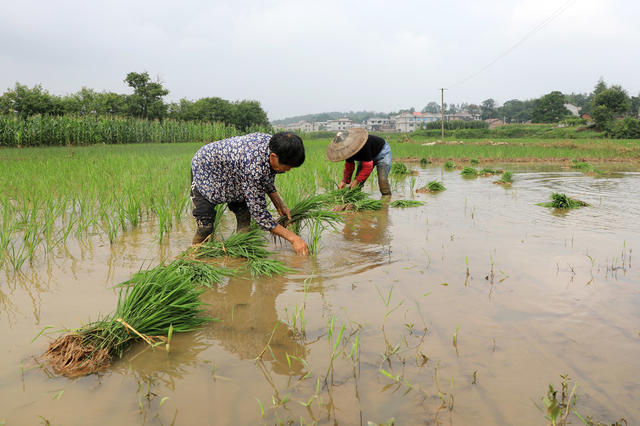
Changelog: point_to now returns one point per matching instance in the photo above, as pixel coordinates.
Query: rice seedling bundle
(433, 186)
(469, 172)
(507, 177)
(474, 161)
(487, 171)
(151, 305)
(399, 169)
(584, 167)
(406, 203)
(449, 165)
(308, 209)
(562, 201)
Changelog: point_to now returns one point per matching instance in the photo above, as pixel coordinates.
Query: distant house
(339, 124)
(380, 124)
(302, 126)
(574, 110)
(410, 121)
(462, 115)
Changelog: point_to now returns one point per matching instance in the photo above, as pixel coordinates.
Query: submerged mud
(460, 311)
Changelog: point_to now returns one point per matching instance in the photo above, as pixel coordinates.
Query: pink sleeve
(367, 167)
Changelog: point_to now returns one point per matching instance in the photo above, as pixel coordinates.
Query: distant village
(401, 123)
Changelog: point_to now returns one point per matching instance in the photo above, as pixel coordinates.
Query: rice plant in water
(584, 167)
(474, 161)
(469, 172)
(449, 165)
(433, 186)
(487, 171)
(424, 161)
(562, 201)
(399, 169)
(149, 305)
(406, 203)
(507, 177)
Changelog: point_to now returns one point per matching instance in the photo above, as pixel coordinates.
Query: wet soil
(529, 293)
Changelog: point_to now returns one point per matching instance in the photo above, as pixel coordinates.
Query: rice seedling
(506, 178)
(149, 305)
(249, 245)
(585, 167)
(433, 186)
(311, 209)
(562, 201)
(366, 204)
(424, 162)
(203, 273)
(487, 171)
(267, 267)
(449, 165)
(474, 161)
(406, 203)
(399, 169)
(469, 172)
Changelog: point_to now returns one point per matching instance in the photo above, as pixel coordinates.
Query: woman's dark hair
(288, 147)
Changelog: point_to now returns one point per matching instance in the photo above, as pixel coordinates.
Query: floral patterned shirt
(237, 169)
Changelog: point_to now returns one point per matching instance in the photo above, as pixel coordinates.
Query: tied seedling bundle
(348, 199)
(151, 305)
(433, 186)
(310, 210)
(250, 246)
(506, 179)
(406, 203)
(562, 201)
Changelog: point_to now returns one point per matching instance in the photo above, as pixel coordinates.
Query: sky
(300, 57)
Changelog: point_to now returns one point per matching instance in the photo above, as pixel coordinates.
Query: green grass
(562, 201)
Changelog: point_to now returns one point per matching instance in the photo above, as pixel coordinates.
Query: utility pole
(442, 105)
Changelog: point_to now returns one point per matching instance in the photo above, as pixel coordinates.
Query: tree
(602, 116)
(432, 107)
(635, 106)
(474, 110)
(146, 100)
(26, 102)
(249, 114)
(615, 98)
(214, 109)
(488, 109)
(549, 108)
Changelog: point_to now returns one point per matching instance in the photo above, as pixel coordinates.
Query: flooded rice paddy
(461, 311)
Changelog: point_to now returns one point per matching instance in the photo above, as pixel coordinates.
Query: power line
(535, 30)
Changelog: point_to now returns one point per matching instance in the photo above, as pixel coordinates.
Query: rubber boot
(243, 220)
(383, 180)
(203, 231)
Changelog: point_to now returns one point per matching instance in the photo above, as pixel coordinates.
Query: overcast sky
(298, 56)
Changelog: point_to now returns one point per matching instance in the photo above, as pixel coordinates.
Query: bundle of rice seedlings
(344, 196)
(562, 201)
(406, 203)
(250, 245)
(585, 167)
(433, 186)
(449, 165)
(367, 204)
(399, 169)
(506, 179)
(203, 273)
(487, 171)
(151, 305)
(267, 267)
(424, 161)
(310, 209)
(469, 172)
(474, 161)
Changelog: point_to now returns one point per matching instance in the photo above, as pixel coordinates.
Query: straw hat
(346, 144)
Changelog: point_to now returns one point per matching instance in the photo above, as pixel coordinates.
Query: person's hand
(354, 184)
(342, 185)
(299, 246)
(284, 211)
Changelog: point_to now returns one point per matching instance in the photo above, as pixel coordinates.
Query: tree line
(146, 102)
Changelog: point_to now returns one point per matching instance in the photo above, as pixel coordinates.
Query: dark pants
(205, 213)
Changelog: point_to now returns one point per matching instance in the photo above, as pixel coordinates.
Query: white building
(339, 124)
(410, 121)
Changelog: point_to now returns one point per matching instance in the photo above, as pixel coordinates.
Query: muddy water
(533, 294)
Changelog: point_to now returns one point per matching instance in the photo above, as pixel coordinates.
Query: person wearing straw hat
(369, 151)
(240, 171)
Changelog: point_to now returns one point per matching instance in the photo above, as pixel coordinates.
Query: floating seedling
(407, 203)
(400, 169)
(487, 171)
(474, 161)
(449, 165)
(585, 167)
(562, 201)
(469, 172)
(433, 186)
(506, 179)
(149, 305)
(424, 162)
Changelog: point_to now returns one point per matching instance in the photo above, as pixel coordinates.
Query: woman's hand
(354, 184)
(342, 185)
